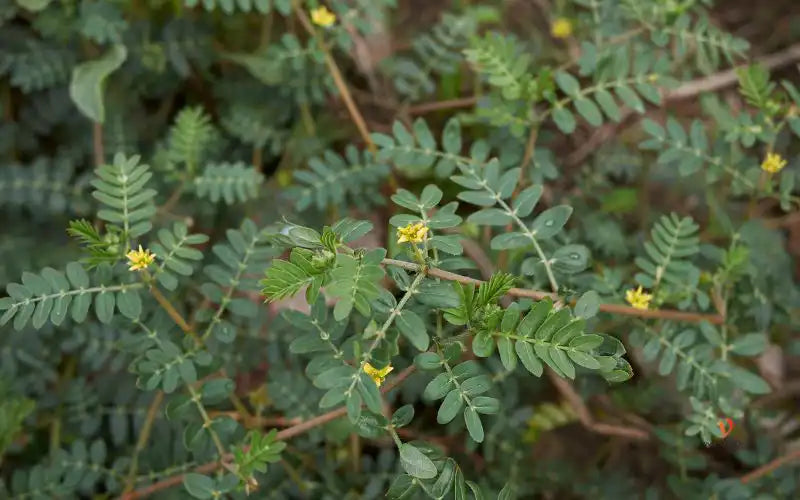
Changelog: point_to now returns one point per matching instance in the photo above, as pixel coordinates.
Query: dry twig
(539, 295)
(770, 467)
(283, 435)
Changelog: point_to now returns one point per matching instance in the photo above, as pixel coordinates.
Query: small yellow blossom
(773, 163)
(412, 233)
(638, 299)
(561, 28)
(140, 259)
(284, 178)
(259, 397)
(377, 375)
(323, 17)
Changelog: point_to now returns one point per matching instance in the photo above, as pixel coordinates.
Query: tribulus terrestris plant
(366, 248)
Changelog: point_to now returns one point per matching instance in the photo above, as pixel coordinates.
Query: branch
(283, 435)
(426, 107)
(130, 481)
(725, 78)
(684, 91)
(771, 466)
(97, 145)
(341, 85)
(622, 309)
(788, 390)
(575, 400)
(562, 385)
(173, 313)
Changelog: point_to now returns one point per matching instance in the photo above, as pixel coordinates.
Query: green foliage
(297, 69)
(13, 411)
(47, 297)
(120, 188)
(710, 46)
(436, 52)
(44, 185)
(229, 182)
(260, 451)
(242, 258)
(102, 249)
(230, 6)
(415, 152)
(498, 58)
(673, 241)
(547, 417)
(631, 81)
(246, 255)
(755, 86)
(176, 255)
(189, 138)
(335, 180)
(102, 22)
(286, 278)
(33, 64)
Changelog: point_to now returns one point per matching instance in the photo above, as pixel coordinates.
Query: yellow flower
(284, 178)
(412, 233)
(259, 397)
(377, 375)
(638, 299)
(773, 163)
(323, 17)
(561, 28)
(140, 259)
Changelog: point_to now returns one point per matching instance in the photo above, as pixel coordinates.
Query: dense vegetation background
(416, 249)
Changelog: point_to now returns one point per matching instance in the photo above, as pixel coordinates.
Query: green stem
(206, 420)
(547, 266)
(80, 291)
(223, 305)
(453, 378)
(380, 334)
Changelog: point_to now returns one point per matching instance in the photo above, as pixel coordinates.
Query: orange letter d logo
(722, 428)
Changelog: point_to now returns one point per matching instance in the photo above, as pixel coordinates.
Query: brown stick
(786, 391)
(341, 85)
(130, 480)
(257, 161)
(684, 91)
(539, 295)
(771, 466)
(725, 78)
(285, 434)
(427, 107)
(97, 141)
(562, 385)
(575, 400)
(173, 314)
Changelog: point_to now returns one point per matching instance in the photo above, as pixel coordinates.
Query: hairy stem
(207, 421)
(539, 295)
